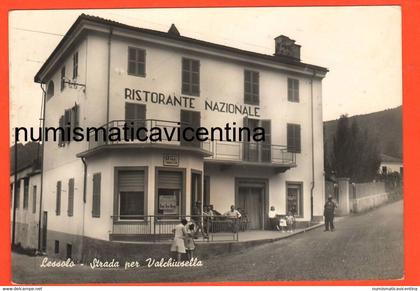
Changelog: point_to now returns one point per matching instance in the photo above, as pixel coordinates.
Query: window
(190, 119)
(69, 250)
(34, 194)
(50, 90)
(170, 189)
(62, 79)
(257, 151)
(252, 87)
(206, 192)
(196, 184)
(68, 122)
(136, 62)
(70, 204)
(384, 170)
(293, 138)
(190, 77)
(25, 193)
(17, 202)
(293, 90)
(56, 246)
(96, 197)
(58, 199)
(131, 186)
(294, 202)
(135, 115)
(75, 64)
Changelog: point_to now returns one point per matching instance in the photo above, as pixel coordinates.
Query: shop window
(169, 198)
(251, 87)
(25, 193)
(50, 90)
(293, 138)
(75, 65)
(294, 199)
(96, 195)
(58, 198)
(34, 194)
(131, 188)
(292, 90)
(70, 203)
(136, 62)
(190, 77)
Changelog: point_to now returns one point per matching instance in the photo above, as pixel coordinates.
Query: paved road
(366, 246)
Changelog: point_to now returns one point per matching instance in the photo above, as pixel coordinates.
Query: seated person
(233, 215)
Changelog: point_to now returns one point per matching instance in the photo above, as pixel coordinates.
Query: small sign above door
(170, 159)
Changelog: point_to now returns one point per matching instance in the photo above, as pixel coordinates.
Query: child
(189, 240)
(178, 244)
(283, 223)
(290, 221)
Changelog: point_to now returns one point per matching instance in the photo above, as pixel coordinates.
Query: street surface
(364, 246)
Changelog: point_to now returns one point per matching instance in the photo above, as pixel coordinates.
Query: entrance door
(251, 203)
(44, 231)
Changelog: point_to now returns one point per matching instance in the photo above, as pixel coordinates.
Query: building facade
(107, 74)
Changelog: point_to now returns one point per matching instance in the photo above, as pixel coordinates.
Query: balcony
(97, 141)
(227, 153)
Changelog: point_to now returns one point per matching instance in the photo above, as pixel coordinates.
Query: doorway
(251, 201)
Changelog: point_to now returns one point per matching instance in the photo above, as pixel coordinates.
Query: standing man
(329, 209)
(233, 215)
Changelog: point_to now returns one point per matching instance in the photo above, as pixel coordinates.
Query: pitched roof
(389, 159)
(173, 35)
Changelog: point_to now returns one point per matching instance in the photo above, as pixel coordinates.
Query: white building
(97, 191)
(390, 165)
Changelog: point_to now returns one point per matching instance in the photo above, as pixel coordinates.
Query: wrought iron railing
(160, 227)
(237, 151)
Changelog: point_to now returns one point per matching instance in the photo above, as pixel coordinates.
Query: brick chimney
(286, 47)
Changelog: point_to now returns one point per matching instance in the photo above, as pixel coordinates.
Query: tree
(355, 155)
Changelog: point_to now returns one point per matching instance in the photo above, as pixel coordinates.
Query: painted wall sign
(188, 102)
(170, 159)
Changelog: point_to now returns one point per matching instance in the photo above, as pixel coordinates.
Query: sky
(361, 46)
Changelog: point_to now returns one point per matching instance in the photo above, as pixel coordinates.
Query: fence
(160, 227)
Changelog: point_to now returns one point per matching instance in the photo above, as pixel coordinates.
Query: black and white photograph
(175, 145)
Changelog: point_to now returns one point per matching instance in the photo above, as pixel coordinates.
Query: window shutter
(297, 137)
(58, 199)
(60, 132)
(131, 181)
(96, 199)
(34, 199)
(170, 180)
(70, 198)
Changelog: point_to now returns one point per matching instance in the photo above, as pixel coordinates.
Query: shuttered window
(170, 187)
(190, 119)
(25, 193)
(62, 80)
(70, 204)
(252, 87)
(136, 62)
(293, 90)
(61, 131)
(131, 186)
(135, 116)
(96, 195)
(191, 77)
(58, 199)
(293, 138)
(75, 65)
(34, 194)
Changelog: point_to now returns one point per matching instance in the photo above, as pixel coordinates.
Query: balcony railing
(254, 152)
(217, 150)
